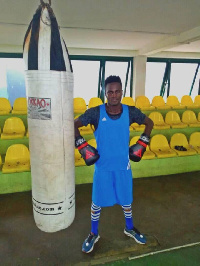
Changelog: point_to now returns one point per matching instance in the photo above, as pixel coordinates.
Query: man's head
(113, 90)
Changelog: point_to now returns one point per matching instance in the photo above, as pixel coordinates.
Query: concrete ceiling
(146, 27)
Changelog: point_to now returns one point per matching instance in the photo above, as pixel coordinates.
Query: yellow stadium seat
(189, 118)
(197, 100)
(199, 116)
(179, 139)
(5, 106)
(188, 102)
(95, 101)
(147, 154)
(0, 161)
(27, 133)
(173, 102)
(172, 118)
(79, 105)
(17, 159)
(78, 159)
(20, 106)
(13, 128)
(143, 103)
(195, 141)
(128, 101)
(92, 142)
(137, 127)
(86, 130)
(160, 146)
(158, 121)
(158, 103)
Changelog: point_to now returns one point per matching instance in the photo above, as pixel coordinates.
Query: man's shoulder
(94, 109)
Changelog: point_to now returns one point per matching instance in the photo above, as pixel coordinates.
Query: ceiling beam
(185, 37)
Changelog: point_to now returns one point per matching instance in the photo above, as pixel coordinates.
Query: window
(119, 69)
(182, 75)
(12, 81)
(154, 77)
(86, 70)
(86, 77)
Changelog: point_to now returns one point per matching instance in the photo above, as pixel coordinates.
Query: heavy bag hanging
(49, 85)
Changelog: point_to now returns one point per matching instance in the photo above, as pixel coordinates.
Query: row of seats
(14, 127)
(159, 147)
(172, 120)
(143, 103)
(17, 157)
(19, 106)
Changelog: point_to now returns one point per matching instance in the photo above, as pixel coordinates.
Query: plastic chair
(95, 101)
(79, 105)
(137, 127)
(172, 118)
(187, 101)
(195, 141)
(147, 154)
(158, 121)
(179, 139)
(199, 116)
(189, 118)
(93, 143)
(173, 102)
(85, 130)
(20, 106)
(158, 103)
(13, 128)
(17, 159)
(143, 103)
(5, 106)
(197, 100)
(128, 101)
(0, 161)
(160, 146)
(78, 159)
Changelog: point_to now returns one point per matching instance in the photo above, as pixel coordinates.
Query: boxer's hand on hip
(137, 150)
(89, 153)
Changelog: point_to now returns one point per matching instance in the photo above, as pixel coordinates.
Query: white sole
(97, 239)
(126, 233)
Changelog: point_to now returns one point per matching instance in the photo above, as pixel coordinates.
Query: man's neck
(114, 109)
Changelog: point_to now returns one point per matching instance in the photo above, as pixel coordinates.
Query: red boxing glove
(137, 150)
(89, 153)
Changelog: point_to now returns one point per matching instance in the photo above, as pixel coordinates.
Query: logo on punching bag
(39, 108)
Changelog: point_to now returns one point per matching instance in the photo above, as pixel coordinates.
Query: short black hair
(112, 79)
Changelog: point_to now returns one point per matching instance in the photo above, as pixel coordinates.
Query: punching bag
(49, 90)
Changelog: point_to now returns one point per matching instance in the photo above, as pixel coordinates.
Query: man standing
(112, 182)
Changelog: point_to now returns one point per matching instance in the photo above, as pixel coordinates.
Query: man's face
(114, 93)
